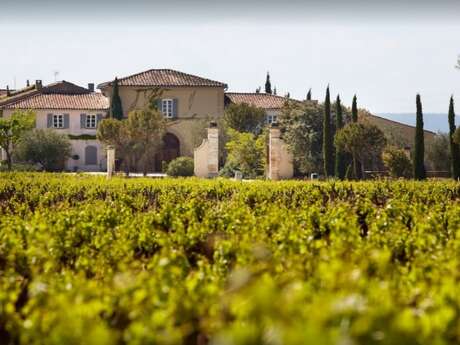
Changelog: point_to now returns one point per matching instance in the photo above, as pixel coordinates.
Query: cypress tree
(268, 85)
(328, 153)
(309, 95)
(354, 118)
(340, 169)
(116, 109)
(419, 142)
(354, 110)
(454, 148)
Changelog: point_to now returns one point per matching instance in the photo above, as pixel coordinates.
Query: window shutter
(159, 105)
(99, 117)
(49, 121)
(82, 120)
(66, 120)
(174, 109)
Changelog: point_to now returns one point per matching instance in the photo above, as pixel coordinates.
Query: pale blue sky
(384, 54)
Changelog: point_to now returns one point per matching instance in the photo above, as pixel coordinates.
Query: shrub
(397, 162)
(18, 167)
(246, 153)
(44, 147)
(181, 166)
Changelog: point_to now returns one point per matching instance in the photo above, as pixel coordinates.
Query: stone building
(69, 109)
(187, 101)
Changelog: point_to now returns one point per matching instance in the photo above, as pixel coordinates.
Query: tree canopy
(45, 147)
(137, 138)
(361, 140)
(244, 118)
(11, 130)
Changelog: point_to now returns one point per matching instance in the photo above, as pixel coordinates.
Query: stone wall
(280, 160)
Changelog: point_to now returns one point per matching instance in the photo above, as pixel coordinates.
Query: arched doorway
(169, 151)
(90, 155)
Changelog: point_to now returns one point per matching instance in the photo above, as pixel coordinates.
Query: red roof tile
(89, 101)
(260, 100)
(165, 78)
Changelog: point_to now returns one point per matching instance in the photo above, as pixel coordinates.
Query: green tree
(268, 85)
(437, 154)
(301, 125)
(328, 148)
(45, 147)
(116, 108)
(146, 128)
(454, 148)
(340, 168)
(354, 110)
(244, 118)
(112, 132)
(456, 136)
(363, 141)
(136, 139)
(246, 153)
(397, 162)
(309, 95)
(419, 143)
(11, 131)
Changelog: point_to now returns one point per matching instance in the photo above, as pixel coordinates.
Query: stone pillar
(110, 161)
(213, 150)
(206, 156)
(280, 160)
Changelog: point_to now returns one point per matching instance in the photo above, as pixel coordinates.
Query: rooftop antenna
(56, 73)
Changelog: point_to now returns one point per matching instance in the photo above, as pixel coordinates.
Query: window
(91, 121)
(272, 119)
(167, 107)
(58, 121)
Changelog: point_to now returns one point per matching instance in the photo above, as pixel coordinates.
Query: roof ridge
(167, 70)
(255, 94)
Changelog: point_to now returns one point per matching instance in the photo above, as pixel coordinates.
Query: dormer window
(167, 107)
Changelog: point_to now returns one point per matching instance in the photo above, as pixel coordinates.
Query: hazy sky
(385, 51)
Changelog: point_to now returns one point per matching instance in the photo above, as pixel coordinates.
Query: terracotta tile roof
(165, 78)
(260, 100)
(88, 101)
(59, 95)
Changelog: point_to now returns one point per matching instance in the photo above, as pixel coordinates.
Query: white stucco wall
(78, 146)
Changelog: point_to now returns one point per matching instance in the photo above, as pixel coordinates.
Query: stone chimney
(38, 84)
(91, 87)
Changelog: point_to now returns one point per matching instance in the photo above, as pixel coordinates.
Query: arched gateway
(169, 151)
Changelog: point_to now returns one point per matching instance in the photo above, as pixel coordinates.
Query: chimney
(8, 93)
(38, 84)
(28, 83)
(91, 87)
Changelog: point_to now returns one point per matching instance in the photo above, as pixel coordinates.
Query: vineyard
(84, 260)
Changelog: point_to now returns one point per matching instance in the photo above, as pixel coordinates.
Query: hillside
(398, 133)
(436, 122)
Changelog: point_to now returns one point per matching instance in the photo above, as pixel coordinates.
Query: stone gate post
(206, 156)
(280, 160)
(110, 161)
